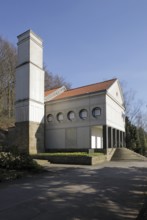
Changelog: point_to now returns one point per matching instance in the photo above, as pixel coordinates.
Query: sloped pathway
(126, 154)
(112, 190)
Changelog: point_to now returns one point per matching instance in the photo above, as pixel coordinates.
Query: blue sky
(85, 41)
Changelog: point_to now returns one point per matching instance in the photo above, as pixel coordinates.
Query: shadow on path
(68, 193)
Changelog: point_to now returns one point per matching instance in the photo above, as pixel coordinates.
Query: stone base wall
(78, 160)
(21, 137)
(11, 137)
(36, 138)
(29, 137)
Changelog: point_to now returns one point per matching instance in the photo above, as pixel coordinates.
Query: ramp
(127, 154)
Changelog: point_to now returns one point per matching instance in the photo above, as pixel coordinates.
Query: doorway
(97, 137)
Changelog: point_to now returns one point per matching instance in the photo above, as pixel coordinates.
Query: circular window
(83, 114)
(60, 117)
(50, 118)
(96, 112)
(71, 115)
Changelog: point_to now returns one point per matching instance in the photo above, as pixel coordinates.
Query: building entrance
(97, 137)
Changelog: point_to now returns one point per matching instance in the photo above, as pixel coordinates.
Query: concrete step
(127, 154)
(42, 162)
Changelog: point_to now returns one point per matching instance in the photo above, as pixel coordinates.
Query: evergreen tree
(131, 135)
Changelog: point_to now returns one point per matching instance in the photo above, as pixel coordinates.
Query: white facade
(29, 79)
(92, 116)
(29, 105)
(115, 112)
(30, 49)
(94, 131)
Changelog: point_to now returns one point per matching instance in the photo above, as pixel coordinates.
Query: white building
(89, 117)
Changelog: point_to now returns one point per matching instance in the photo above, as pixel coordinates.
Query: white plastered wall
(22, 82)
(30, 49)
(82, 127)
(29, 79)
(115, 112)
(36, 84)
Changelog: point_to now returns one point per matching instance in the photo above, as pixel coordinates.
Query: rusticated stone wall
(29, 137)
(36, 138)
(21, 137)
(80, 160)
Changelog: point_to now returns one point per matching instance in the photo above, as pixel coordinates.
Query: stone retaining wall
(79, 160)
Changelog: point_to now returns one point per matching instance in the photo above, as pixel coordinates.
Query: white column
(29, 105)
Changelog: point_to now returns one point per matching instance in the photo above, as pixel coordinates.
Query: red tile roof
(48, 92)
(97, 87)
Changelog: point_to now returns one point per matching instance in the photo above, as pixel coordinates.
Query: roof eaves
(77, 96)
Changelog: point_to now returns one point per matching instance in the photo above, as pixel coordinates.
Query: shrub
(17, 162)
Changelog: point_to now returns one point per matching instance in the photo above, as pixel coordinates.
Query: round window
(83, 114)
(50, 118)
(71, 115)
(96, 112)
(60, 117)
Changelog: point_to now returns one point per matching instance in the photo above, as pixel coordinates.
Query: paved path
(109, 191)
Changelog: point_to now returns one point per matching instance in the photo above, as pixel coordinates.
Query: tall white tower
(29, 105)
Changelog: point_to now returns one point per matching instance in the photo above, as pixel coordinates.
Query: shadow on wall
(28, 137)
(3, 139)
(39, 137)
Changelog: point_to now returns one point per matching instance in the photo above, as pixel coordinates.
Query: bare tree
(133, 107)
(136, 122)
(54, 80)
(8, 57)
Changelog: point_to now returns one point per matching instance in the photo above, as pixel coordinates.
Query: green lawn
(70, 154)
